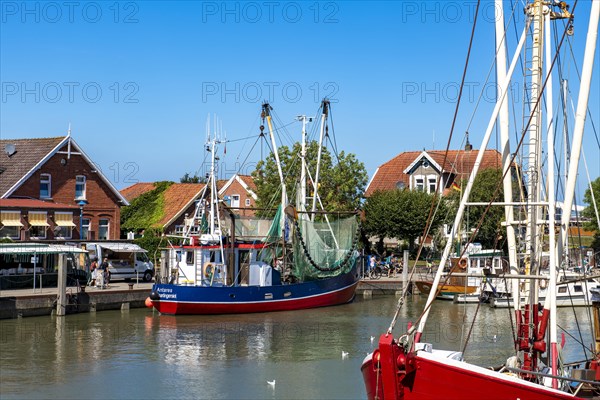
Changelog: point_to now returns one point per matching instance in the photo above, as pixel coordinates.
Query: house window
(12, 232)
(11, 224)
(45, 186)
(103, 225)
(63, 232)
(419, 184)
(64, 225)
(432, 184)
(235, 200)
(85, 227)
(247, 202)
(80, 187)
(179, 229)
(38, 221)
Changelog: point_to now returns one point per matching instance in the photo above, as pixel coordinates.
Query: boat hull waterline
(423, 376)
(177, 299)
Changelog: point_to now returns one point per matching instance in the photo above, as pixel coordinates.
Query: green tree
(590, 212)
(401, 214)
(187, 178)
(485, 185)
(377, 211)
(341, 183)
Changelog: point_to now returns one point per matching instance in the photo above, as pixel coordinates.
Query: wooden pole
(62, 285)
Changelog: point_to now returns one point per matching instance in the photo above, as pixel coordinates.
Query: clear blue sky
(137, 79)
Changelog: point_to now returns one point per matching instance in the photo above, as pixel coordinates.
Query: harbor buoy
(154, 296)
(148, 302)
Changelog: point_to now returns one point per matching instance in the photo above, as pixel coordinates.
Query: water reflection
(141, 354)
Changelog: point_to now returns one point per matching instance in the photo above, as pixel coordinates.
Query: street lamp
(81, 204)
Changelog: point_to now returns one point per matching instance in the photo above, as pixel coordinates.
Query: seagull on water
(372, 339)
(344, 354)
(494, 338)
(272, 383)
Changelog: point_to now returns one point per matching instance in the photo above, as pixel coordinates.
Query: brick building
(46, 184)
(180, 199)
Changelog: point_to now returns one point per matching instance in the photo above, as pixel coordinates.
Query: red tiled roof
(34, 203)
(249, 180)
(458, 162)
(176, 197)
(28, 152)
(136, 190)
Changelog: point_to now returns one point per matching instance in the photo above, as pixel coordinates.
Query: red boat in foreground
(405, 368)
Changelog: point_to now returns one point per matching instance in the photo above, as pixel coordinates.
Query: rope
(431, 209)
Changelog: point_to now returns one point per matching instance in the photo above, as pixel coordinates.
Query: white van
(125, 260)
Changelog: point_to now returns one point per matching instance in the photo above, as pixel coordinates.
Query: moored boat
(406, 368)
(289, 262)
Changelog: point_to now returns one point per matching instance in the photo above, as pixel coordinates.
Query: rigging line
(249, 152)
(585, 284)
(489, 73)
(579, 77)
(433, 200)
(537, 103)
(237, 140)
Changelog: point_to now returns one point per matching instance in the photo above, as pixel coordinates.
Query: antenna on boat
(325, 113)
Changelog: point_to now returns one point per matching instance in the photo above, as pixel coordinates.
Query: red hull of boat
(428, 379)
(324, 300)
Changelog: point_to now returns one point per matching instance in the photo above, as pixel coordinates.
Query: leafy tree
(590, 212)
(484, 187)
(187, 178)
(341, 183)
(145, 210)
(377, 211)
(401, 214)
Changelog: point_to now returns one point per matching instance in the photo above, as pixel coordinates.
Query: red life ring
(462, 263)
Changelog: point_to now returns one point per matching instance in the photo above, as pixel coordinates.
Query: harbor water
(139, 354)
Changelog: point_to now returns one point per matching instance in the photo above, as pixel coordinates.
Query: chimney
(468, 146)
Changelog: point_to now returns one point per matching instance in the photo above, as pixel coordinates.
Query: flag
(455, 186)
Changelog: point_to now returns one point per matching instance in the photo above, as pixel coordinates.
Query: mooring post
(62, 285)
(405, 270)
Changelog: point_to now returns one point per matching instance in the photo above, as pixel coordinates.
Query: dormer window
(420, 184)
(80, 187)
(45, 186)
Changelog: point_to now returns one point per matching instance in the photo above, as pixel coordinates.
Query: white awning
(11, 218)
(32, 248)
(122, 247)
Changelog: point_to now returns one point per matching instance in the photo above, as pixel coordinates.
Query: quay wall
(24, 303)
(31, 305)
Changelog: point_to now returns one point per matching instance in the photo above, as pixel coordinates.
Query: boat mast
(325, 105)
(580, 115)
(266, 113)
(506, 152)
(535, 12)
(461, 208)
